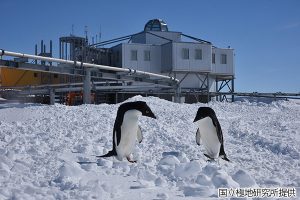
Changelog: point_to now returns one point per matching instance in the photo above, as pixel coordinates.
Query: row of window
(198, 56)
(146, 55)
(185, 55)
(223, 58)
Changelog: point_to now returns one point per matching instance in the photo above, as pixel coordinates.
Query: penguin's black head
(146, 111)
(204, 112)
(140, 106)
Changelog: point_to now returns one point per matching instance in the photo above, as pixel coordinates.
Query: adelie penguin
(126, 129)
(210, 133)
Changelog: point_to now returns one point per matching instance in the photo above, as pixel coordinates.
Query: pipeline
(88, 65)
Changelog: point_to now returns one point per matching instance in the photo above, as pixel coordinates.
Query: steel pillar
(52, 96)
(36, 53)
(51, 51)
(217, 96)
(87, 87)
(177, 93)
(60, 56)
(207, 87)
(232, 89)
(42, 46)
(66, 53)
(62, 51)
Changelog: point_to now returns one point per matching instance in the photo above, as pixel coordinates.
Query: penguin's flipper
(198, 136)
(139, 135)
(218, 129)
(222, 153)
(118, 134)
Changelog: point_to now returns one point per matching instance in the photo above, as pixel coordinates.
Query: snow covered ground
(40, 147)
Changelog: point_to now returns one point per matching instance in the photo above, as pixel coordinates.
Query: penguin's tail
(109, 154)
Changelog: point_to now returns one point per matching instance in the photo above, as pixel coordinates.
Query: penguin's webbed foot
(131, 161)
(210, 159)
(225, 158)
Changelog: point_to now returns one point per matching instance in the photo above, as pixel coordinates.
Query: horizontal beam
(45, 91)
(256, 94)
(139, 89)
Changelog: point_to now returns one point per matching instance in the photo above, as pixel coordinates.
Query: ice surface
(41, 145)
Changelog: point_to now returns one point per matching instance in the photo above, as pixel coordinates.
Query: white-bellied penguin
(126, 129)
(210, 133)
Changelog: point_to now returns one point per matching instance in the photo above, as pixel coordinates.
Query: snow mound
(222, 180)
(244, 179)
(69, 176)
(188, 169)
(197, 191)
(169, 160)
(41, 148)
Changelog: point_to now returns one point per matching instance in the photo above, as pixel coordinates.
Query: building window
(223, 59)
(147, 55)
(55, 75)
(213, 58)
(133, 54)
(35, 75)
(185, 54)
(198, 54)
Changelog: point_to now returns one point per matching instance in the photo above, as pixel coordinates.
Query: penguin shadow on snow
(126, 129)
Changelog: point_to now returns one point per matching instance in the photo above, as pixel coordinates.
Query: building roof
(156, 25)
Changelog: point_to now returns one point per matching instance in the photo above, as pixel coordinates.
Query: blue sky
(264, 33)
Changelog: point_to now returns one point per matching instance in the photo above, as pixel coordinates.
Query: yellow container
(16, 77)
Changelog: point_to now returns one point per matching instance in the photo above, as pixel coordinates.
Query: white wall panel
(191, 64)
(154, 65)
(219, 68)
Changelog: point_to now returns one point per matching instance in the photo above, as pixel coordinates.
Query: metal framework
(88, 71)
(226, 83)
(202, 90)
(196, 39)
(107, 42)
(72, 42)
